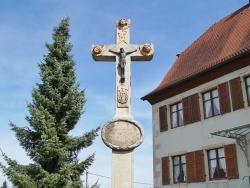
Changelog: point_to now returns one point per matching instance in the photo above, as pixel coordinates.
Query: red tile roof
(224, 40)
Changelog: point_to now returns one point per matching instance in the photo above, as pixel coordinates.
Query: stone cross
(122, 133)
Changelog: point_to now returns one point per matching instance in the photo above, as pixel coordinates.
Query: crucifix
(122, 133)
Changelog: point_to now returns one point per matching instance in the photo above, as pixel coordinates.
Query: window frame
(211, 99)
(217, 159)
(177, 111)
(247, 85)
(180, 164)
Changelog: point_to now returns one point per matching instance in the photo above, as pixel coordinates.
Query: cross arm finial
(109, 52)
(103, 53)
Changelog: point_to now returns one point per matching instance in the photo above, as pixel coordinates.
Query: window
(247, 81)
(217, 164)
(179, 167)
(211, 103)
(176, 115)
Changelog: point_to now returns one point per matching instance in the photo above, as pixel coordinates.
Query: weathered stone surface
(122, 134)
(123, 166)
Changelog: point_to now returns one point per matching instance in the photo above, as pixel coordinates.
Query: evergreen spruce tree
(54, 111)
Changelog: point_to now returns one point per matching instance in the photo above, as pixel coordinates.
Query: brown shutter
(191, 109)
(186, 110)
(200, 169)
(236, 92)
(224, 98)
(165, 170)
(163, 118)
(195, 108)
(190, 164)
(195, 166)
(231, 161)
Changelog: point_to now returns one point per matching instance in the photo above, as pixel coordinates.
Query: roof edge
(224, 61)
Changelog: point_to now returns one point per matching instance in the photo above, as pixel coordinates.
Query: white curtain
(212, 168)
(216, 106)
(206, 96)
(180, 117)
(222, 161)
(174, 119)
(176, 173)
(208, 109)
(184, 173)
(212, 163)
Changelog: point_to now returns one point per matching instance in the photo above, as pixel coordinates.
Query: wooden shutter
(186, 110)
(224, 98)
(195, 166)
(191, 109)
(200, 169)
(191, 169)
(231, 162)
(163, 118)
(195, 108)
(165, 170)
(236, 92)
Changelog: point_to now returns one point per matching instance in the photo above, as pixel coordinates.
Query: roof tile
(223, 40)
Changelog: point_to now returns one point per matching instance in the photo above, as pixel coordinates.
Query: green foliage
(56, 107)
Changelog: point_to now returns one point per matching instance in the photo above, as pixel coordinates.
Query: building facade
(201, 111)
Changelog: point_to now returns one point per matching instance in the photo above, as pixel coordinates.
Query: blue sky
(25, 27)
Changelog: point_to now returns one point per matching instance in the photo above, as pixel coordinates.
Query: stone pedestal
(122, 169)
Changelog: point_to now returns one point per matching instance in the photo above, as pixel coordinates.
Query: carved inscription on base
(122, 134)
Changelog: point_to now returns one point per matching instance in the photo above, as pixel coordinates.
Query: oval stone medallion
(122, 134)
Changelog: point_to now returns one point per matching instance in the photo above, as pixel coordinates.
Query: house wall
(196, 136)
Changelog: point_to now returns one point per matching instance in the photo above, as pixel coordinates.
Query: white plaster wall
(196, 136)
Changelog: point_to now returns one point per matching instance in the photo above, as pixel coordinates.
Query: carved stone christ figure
(122, 60)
